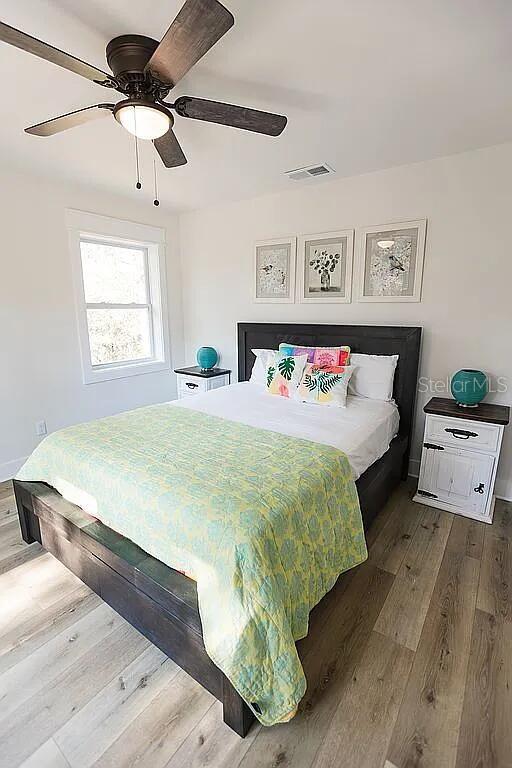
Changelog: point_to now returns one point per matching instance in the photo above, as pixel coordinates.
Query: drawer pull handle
(191, 385)
(461, 434)
(479, 488)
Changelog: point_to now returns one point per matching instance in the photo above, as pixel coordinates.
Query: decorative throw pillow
(325, 385)
(284, 373)
(319, 355)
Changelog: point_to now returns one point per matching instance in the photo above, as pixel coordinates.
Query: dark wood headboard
(367, 339)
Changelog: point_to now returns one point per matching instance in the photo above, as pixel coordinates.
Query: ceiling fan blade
(196, 28)
(229, 114)
(72, 119)
(168, 147)
(44, 51)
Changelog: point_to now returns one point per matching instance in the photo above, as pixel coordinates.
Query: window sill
(95, 376)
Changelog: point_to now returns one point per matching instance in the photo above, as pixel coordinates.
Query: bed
(162, 602)
(363, 430)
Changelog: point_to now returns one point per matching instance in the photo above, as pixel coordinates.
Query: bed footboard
(158, 601)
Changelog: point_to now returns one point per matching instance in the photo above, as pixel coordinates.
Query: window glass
(118, 335)
(113, 274)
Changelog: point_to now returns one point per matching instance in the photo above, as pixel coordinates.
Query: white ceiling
(366, 84)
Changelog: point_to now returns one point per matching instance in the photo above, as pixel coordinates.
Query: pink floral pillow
(320, 356)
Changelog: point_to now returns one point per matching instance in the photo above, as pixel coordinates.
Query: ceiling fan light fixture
(144, 71)
(145, 120)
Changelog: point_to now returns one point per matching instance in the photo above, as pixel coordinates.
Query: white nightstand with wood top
(459, 459)
(195, 381)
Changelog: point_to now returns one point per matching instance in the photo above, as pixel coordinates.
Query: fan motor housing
(127, 56)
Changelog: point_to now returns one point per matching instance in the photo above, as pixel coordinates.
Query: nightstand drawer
(462, 433)
(191, 385)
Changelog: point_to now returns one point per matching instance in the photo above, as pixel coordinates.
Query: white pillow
(373, 376)
(259, 369)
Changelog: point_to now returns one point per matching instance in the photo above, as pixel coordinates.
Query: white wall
(466, 310)
(40, 369)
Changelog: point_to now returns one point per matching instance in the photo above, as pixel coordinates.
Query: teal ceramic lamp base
(207, 358)
(469, 387)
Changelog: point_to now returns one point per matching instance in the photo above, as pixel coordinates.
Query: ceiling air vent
(311, 172)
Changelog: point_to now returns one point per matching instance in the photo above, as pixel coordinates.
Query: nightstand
(194, 381)
(459, 459)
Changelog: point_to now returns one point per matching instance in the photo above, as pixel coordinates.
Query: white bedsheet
(363, 430)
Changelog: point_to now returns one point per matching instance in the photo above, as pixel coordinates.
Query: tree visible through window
(118, 302)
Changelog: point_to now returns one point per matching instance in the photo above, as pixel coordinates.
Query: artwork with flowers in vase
(326, 267)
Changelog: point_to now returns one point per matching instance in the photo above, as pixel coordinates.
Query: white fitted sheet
(363, 430)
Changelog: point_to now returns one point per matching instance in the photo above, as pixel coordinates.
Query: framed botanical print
(274, 270)
(325, 267)
(390, 261)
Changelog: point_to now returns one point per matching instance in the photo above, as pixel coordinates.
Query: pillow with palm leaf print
(284, 373)
(325, 385)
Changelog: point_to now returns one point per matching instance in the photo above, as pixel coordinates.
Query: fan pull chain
(138, 185)
(137, 169)
(156, 201)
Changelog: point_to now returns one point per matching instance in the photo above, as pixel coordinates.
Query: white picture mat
(347, 238)
(262, 254)
(384, 230)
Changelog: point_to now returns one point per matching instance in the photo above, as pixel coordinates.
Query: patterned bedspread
(263, 522)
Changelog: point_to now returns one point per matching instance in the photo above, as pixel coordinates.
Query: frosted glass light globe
(143, 121)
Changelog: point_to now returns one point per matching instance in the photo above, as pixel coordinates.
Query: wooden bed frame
(161, 602)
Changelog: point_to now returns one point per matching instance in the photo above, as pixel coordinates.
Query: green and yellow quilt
(263, 522)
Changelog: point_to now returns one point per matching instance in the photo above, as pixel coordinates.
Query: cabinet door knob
(191, 385)
(479, 488)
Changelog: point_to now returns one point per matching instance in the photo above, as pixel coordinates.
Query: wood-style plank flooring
(409, 663)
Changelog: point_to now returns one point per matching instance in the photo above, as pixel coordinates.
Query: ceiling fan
(145, 71)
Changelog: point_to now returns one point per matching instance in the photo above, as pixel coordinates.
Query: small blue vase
(207, 358)
(469, 387)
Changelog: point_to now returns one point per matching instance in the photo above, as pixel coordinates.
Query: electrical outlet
(41, 428)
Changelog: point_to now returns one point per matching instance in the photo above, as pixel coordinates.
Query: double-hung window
(119, 271)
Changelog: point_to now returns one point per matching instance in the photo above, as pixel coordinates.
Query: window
(117, 300)
(119, 285)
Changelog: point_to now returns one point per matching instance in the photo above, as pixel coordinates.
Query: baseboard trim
(11, 468)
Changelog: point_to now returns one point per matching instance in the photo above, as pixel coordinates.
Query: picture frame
(323, 278)
(390, 261)
(274, 270)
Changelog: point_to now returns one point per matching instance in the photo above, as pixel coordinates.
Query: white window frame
(103, 229)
